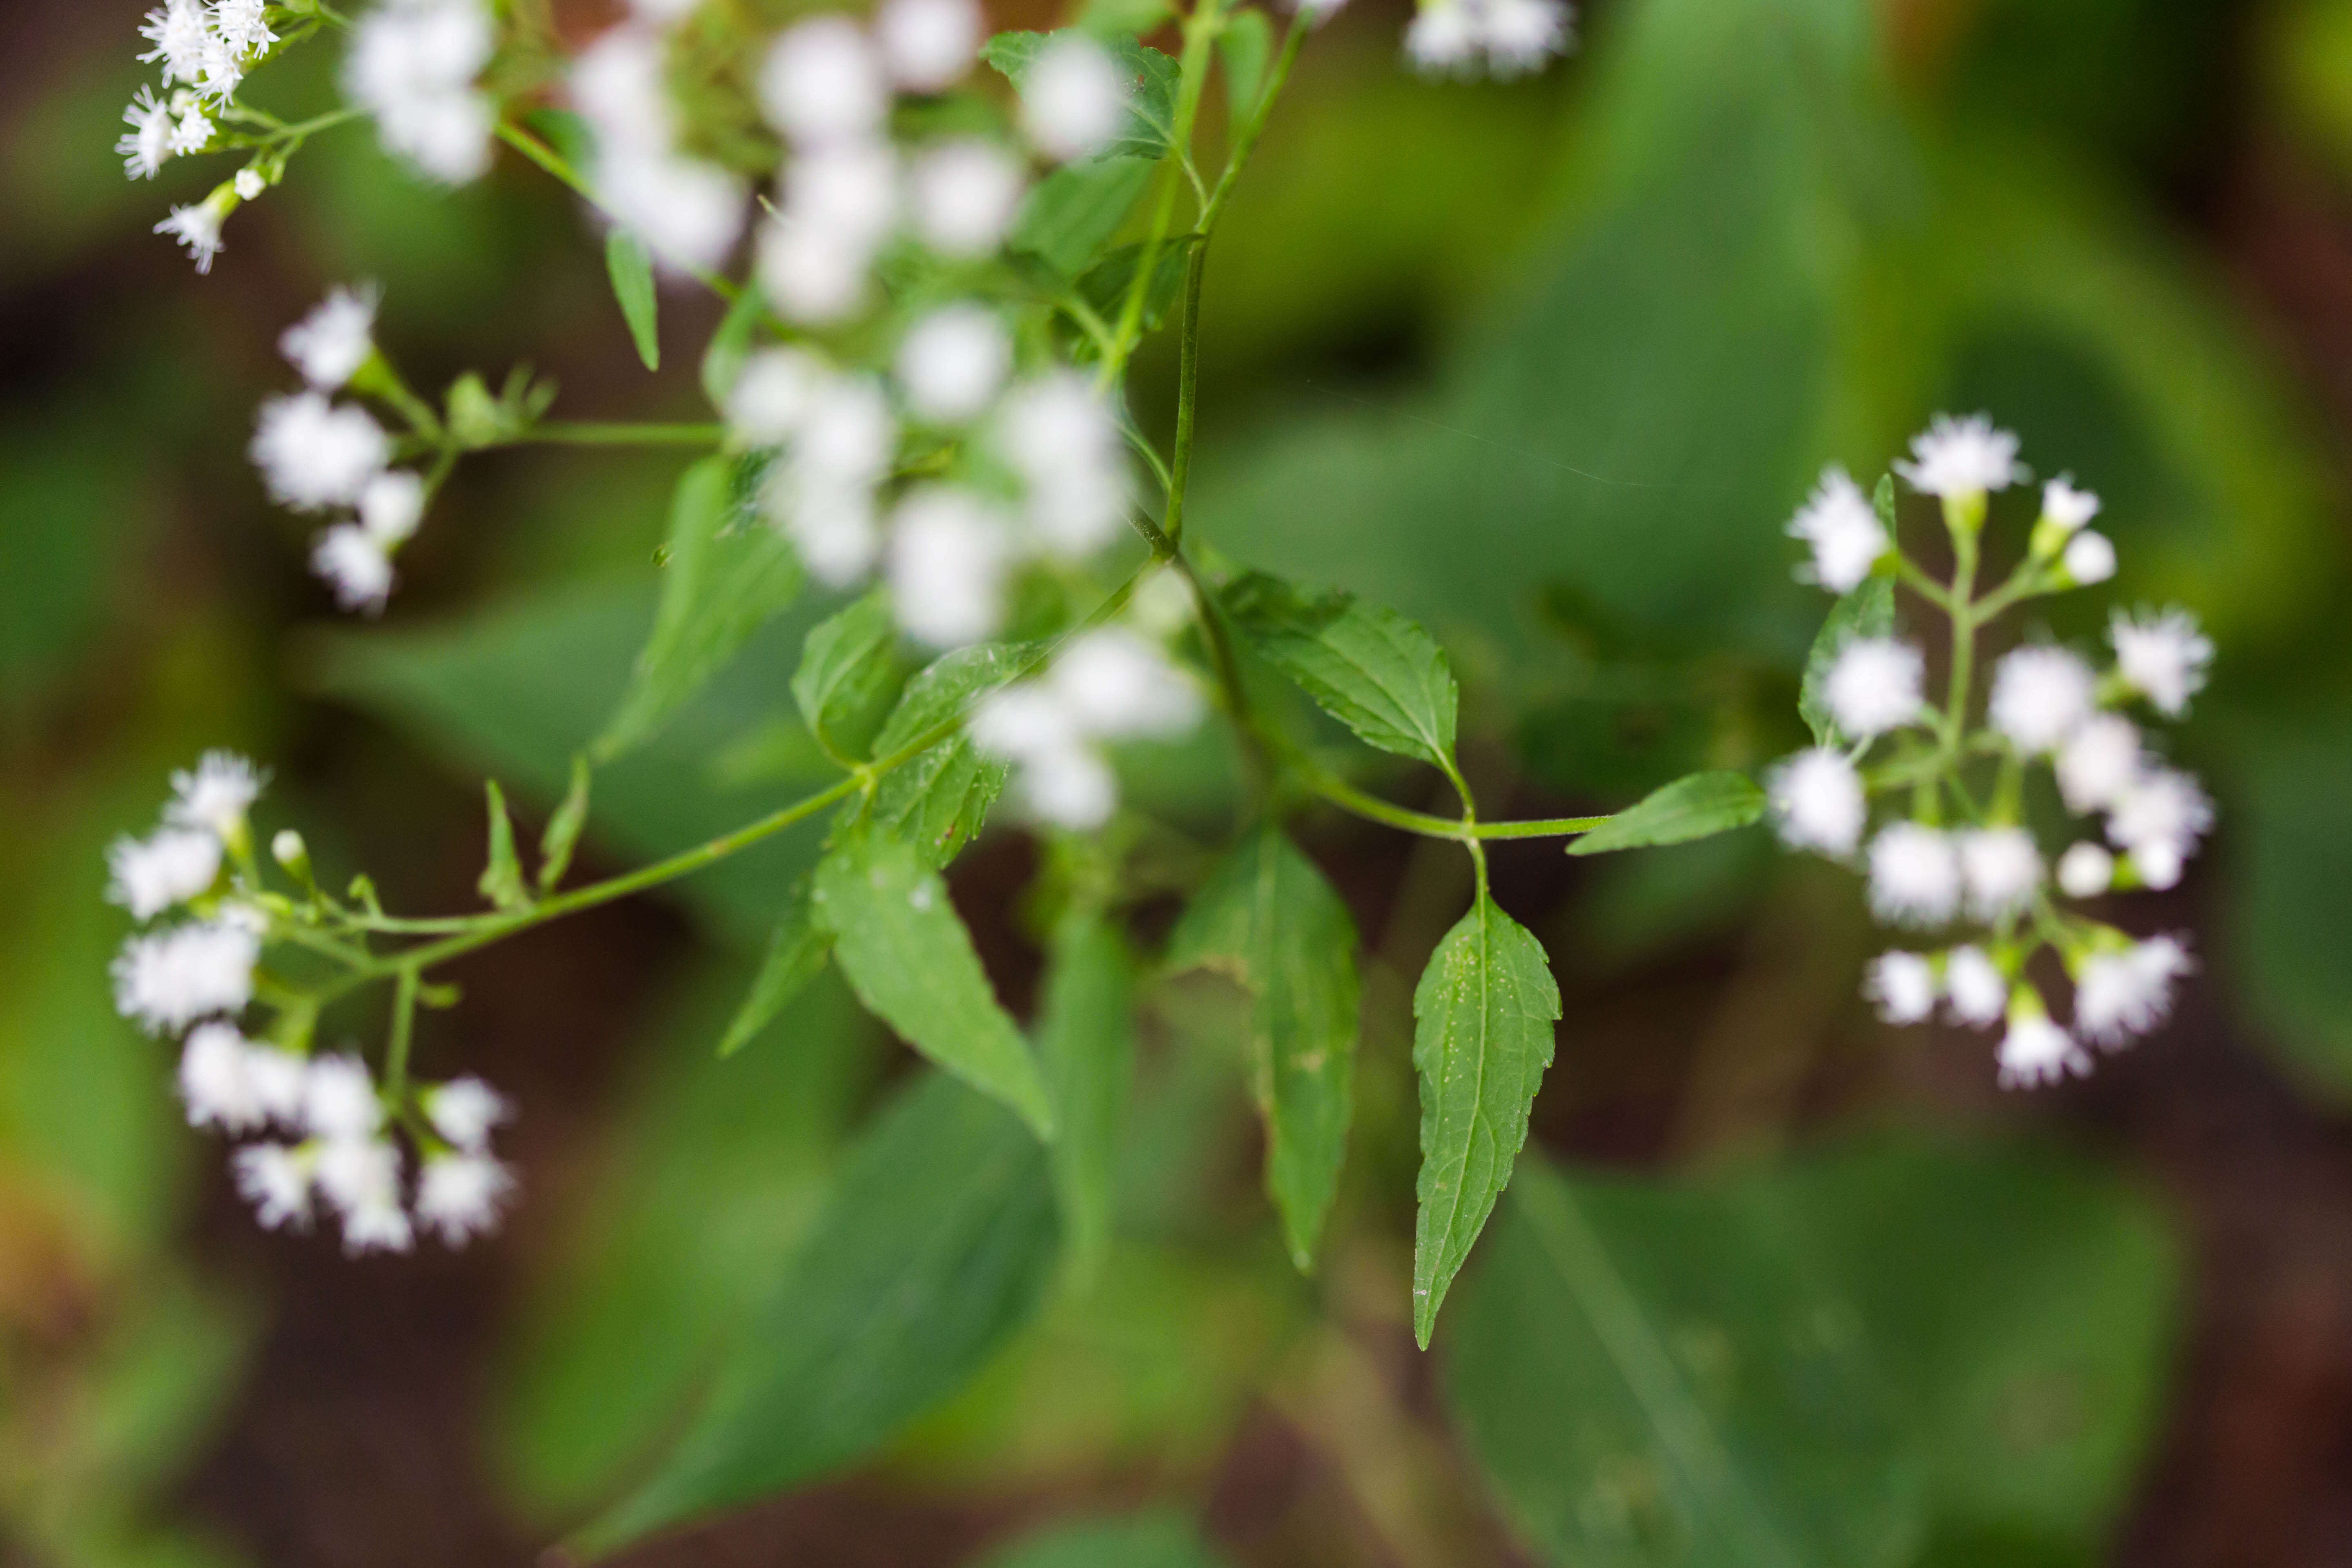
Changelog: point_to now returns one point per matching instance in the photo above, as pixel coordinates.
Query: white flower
(147, 143)
(280, 1081)
(2099, 762)
(199, 228)
(1318, 11)
(220, 71)
(1074, 789)
(2040, 696)
(248, 185)
(391, 506)
(181, 31)
(812, 277)
(822, 82)
(151, 875)
(2158, 863)
(1073, 100)
(330, 343)
(169, 979)
(1904, 986)
(214, 794)
(688, 213)
(1837, 519)
(963, 194)
(2037, 1051)
(664, 13)
(1118, 685)
(242, 25)
(954, 361)
(2120, 995)
(832, 525)
(1958, 458)
(2090, 558)
(2163, 657)
(313, 454)
(2067, 507)
(194, 132)
(339, 1102)
(2002, 867)
(777, 388)
(2085, 871)
(928, 45)
(947, 565)
(848, 190)
(1060, 435)
(1975, 987)
(1443, 36)
(218, 1089)
(275, 1178)
(2163, 806)
(1914, 874)
(412, 66)
(1521, 35)
(460, 1195)
(1874, 686)
(1817, 801)
(848, 434)
(352, 561)
(361, 1176)
(1023, 721)
(463, 1110)
(617, 85)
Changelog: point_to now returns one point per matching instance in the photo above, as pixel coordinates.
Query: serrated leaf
(938, 800)
(1245, 45)
(632, 271)
(909, 959)
(1149, 129)
(1867, 612)
(1086, 1038)
(562, 839)
(730, 345)
(1268, 918)
(1699, 806)
(501, 881)
(796, 954)
(1483, 1017)
(727, 572)
(936, 1244)
(1073, 213)
(849, 676)
(1366, 666)
(1149, 1541)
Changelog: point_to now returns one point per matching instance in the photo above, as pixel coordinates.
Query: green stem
(1188, 383)
(1200, 36)
(403, 1029)
(1466, 831)
(548, 159)
(560, 433)
(1247, 143)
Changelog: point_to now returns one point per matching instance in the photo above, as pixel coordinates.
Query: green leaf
(1246, 44)
(501, 881)
(727, 572)
(1699, 806)
(632, 272)
(938, 800)
(1867, 612)
(796, 954)
(557, 844)
(910, 960)
(730, 345)
(850, 672)
(1657, 1379)
(1073, 213)
(1147, 1540)
(1106, 284)
(937, 1243)
(1149, 131)
(1483, 1017)
(1086, 1038)
(1268, 919)
(2289, 922)
(1368, 667)
(1111, 19)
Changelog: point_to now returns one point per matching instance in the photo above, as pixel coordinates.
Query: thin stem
(1254, 127)
(1371, 809)
(1188, 385)
(573, 433)
(404, 1028)
(1200, 35)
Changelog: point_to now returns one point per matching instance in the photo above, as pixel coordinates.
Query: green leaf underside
(936, 1244)
(1085, 1039)
(1073, 213)
(1148, 130)
(1483, 1035)
(1368, 667)
(1867, 612)
(632, 272)
(1267, 918)
(938, 800)
(728, 571)
(562, 839)
(501, 881)
(1699, 806)
(909, 959)
(850, 674)
(1148, 1541)
(796, 954)
(1246, 44)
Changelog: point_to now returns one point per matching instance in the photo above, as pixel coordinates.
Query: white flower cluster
(205, 48)
(2047, 706)
(413, 65)
(315, 455)
(1503, 37)
(167, 979)
(689, 213)
(1110, 685)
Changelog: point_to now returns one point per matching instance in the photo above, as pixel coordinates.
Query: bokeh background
(1546, 365)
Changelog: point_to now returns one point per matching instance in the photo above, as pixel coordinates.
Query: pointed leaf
(910, 960)
(722, 362)
(632, 272)
(1483, 1017)
(1076, 211)
(938, 800)
(501, 881)
(796, 954)
(1699, 806)
(936, 1244)
(1369, 667)
(1246, 44)
(1269, 918)
(727, 572)
(850, 674)
(1086, 1038)
(1867, 612)
(563, 829)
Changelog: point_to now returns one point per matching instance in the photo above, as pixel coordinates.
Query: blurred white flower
(928, 45)
(822, 82)
(2035, 1050)
(313, 454)
(1975, 987)
(352, 561)
(1914, 874)
(2120, 995)
(947, 557)
(2067, 507)
(2099, 762)
(2040, 696)
(1817, 801)
(2090, 558)
(2163, 657)
(1073, 98)
(167, 981)
(2003, 869)
(954, 361)
(411, 64)
(1903, 985)
(330, 343)
(461, 1196)
(463, 1110)
(2085, 871)
(1957, 458)
(963, 194)
(1875, 685)
(151, 875)
(1837, 522)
